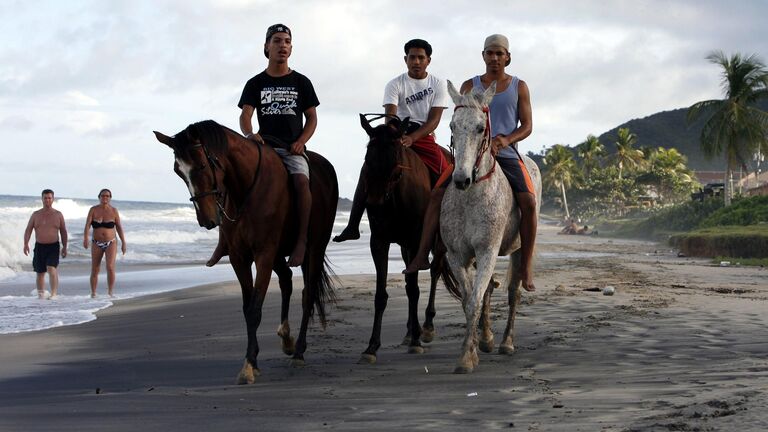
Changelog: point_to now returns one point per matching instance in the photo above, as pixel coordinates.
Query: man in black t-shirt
(284, 102)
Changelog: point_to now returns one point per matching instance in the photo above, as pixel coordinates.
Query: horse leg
(379, 252)
(486, 329)
(312, 272)
(285, 275)
(513, 291)
(252, 313)
(412, 290)
(428, 329)
(469, 358)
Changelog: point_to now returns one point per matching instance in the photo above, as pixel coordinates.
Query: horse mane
(210, 133)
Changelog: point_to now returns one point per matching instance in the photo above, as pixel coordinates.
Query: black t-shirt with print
(280, 103)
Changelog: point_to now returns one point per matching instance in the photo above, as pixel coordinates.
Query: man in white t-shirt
(421, 97)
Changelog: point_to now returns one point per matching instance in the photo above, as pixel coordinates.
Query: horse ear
(489, 93)
(367, 126)
(403, 127)
(454, 93)
(164, 139)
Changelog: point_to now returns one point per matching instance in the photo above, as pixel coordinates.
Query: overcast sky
(84, 83)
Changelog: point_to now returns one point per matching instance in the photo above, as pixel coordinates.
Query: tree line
(586, 181)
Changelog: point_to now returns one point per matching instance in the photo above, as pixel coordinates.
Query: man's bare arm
(310, 124)
(28, 232)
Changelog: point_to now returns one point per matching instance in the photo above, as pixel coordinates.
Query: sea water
(167, 250)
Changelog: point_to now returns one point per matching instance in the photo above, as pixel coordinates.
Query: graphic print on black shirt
(279, 100)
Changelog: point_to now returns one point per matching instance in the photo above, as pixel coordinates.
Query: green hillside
(669, 129)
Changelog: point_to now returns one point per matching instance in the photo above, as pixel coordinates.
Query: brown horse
(398, 189)
(243, 187)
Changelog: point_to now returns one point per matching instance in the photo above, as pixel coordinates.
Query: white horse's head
(470, 127)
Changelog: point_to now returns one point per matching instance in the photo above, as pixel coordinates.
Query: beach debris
(557, 405)
(593, 289)
(609, 290)
(725, 263)
(681, 255)
(560, 288)
(150, 389)
(677, 285)
(98, 390)
(473, 394)
(426, 370)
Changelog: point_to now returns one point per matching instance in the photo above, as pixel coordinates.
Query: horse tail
(323, 292)
(325, 198)
(449, 280)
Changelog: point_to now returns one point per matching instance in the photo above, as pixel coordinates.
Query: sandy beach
(681, 346)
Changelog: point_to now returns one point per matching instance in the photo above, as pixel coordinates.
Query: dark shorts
(518, 177)
(46, 255)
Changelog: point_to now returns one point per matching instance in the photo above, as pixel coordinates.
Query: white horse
(480, 220)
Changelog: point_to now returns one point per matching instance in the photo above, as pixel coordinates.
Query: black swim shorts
(517, 174)
(46, 255)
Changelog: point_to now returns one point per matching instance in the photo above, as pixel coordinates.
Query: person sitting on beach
(585, 231)
(281, 99)
(105, 221)
(570, 228)
(48, 224)
(420, 97)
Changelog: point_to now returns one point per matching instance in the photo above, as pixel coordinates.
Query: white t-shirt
(415, 97)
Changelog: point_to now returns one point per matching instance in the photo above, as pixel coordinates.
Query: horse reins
(213, 161)
(483, 148)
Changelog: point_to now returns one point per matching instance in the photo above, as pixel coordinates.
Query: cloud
(15, 122)
(118, 161)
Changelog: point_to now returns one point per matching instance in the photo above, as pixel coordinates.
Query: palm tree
(734, 125)
(626, 155)
(667, 170)
(590, 152)
(561, 170)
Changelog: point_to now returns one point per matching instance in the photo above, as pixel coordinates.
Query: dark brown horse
(243, 187)
(398, 189)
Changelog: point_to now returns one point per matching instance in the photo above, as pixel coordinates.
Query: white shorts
(295, 164)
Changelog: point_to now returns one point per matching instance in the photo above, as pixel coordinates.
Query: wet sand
(682, 345)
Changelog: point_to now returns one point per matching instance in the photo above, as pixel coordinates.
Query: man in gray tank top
(511, 122)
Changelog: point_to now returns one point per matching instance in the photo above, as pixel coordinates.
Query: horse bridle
(221, 197)
(484, 147)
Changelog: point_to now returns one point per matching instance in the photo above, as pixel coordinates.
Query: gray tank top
(504, 118)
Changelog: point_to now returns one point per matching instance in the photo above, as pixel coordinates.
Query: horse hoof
(247, 374)
(415, 349)
(486, 346)
(289, 346)
(298, 363)
(506, 349)
(367, 359)
(462, 370)
(427, 335)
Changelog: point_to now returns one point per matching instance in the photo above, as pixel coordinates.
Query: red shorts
(431, 154)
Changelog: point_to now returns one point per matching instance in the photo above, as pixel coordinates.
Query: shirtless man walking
(48, 224)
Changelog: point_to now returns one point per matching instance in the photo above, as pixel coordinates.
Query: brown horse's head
(196, 151)
(383, 158)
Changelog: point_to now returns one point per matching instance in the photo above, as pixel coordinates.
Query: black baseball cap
(277, 28)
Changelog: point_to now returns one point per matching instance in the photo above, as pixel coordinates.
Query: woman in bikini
(105, 221)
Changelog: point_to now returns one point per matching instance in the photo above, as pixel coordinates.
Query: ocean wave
(148, 237)
(176, 214)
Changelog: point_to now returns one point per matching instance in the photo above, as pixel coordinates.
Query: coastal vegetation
(734, 126)
(636, 185)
